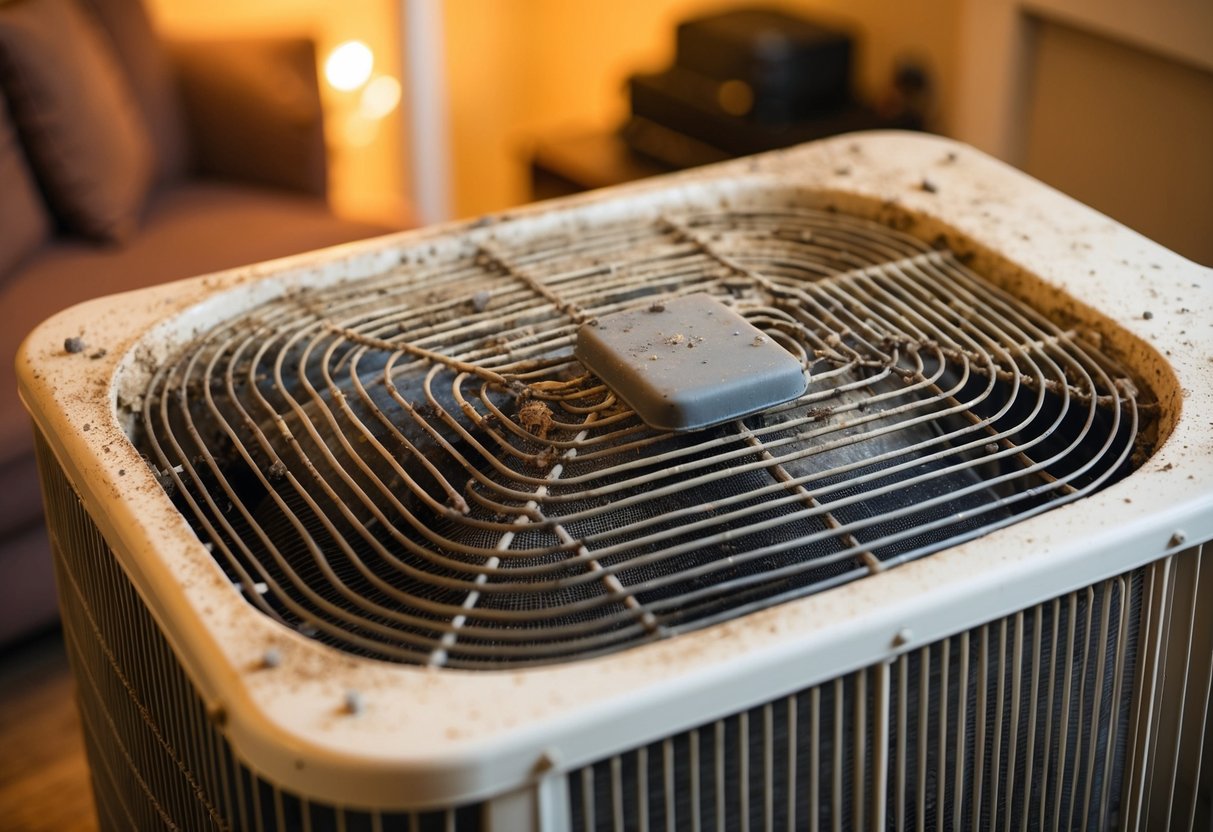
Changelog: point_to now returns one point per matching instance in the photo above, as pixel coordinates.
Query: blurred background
(1111, 102)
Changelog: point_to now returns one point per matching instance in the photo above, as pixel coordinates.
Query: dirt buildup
(546, 458)
(74, 345)
(536, 417)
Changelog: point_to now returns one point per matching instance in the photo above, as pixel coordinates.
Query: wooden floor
(44, 782)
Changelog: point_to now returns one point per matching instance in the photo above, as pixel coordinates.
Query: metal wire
(414, 467)
(912, 744)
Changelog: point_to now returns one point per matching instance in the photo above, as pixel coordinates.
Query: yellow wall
(369, 182)
(519, 68)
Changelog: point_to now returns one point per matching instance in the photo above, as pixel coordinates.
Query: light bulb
(349, 65)
(380, 96)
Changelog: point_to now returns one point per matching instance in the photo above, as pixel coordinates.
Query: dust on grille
(414, 467)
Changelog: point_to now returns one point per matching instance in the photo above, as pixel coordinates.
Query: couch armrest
(253, 110)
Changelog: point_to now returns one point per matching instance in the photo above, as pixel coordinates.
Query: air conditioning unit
(863, 485)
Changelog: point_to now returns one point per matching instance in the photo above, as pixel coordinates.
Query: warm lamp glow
(380, 97)
(358, 131)
(349, 65)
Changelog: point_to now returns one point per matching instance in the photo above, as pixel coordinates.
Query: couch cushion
(20, 508)
(24, 222)
(84, 135)
(191, 229)
(27, 585)
(152, 79)
(254, 112)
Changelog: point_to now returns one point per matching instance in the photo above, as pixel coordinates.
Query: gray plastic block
(688, 363)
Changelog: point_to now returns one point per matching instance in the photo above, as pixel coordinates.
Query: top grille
(414, 467)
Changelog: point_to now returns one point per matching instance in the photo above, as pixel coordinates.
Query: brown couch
(125, 163)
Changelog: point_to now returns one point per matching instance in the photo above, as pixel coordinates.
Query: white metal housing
(414, 738)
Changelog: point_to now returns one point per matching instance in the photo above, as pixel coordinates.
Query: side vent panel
(1170, 773)
(157, 760)
(906, 739)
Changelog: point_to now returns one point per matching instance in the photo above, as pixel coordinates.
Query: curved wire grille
(413, 467)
